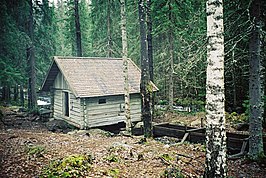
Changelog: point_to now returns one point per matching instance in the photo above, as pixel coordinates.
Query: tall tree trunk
(171, 70)
(150, 50)
(78, 31)
(16, 93)
(6, 94)
(21, 93)
(149, 38)
(109, 33)
(145, 75)
(255, 85)
(31, 59)
(234, 82)
(125, 66)
(215, 125)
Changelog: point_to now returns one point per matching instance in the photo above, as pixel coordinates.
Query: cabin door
(66, 104)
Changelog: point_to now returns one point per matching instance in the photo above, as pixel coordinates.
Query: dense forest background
(178, 34)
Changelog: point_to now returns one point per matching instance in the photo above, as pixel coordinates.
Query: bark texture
(145, 87)
(150, 50)
(21, 95)
(215, 126)
(149, 38)
(32, 98)
(78, 31)
(171, 69)
(125, 66)
(109, 32)
(255, 85)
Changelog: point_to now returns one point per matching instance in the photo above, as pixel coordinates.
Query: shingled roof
(91, 77)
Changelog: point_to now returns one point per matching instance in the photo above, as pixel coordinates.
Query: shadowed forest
(202, 64)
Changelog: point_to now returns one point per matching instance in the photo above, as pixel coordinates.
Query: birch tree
(125, 66)
(215, 126)
(255, 85)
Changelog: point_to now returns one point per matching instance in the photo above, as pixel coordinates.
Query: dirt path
(114, 156)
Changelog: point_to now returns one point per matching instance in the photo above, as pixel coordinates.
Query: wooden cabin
(89, 92)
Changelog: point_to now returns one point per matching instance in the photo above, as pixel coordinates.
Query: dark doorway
(66, 104)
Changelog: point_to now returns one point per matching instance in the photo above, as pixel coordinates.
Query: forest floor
(27, 148)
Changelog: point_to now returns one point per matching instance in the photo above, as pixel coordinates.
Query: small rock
(241, 175)
(123, 145)
(58, 126)
(166, 146)
(100, 132)
(79, 133)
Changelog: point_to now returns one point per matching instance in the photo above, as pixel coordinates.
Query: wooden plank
(235, 141)
(103, 109)
(159, 131)
(106, 121)
(102, 116)
(185, 137)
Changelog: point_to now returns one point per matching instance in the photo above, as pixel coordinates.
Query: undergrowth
(71, 166)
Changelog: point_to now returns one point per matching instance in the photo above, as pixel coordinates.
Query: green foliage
(163, 102)
(158, 113)
(149, 88)
(54, 33)
(236, 118)
(113, 172)
(36, 150)
(198, 104)
(166, 157)
(112, 158)
(172, 172)
(34, 111)
(246, 107)
(71, 166)
(260, 158)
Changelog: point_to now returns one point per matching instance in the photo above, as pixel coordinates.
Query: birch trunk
(255, 86)
(145, 75)
(215, 126)
(125, 66)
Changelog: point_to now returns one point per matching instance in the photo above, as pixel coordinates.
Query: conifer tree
(32, 98)
(145, 85)
(255, 85)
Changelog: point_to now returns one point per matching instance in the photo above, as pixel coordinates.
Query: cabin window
(66, 104)
(102, 101)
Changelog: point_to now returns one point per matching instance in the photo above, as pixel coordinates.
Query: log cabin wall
(75, 115)
(107, 110)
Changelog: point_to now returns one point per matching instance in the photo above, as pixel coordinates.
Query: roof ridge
(74, 57)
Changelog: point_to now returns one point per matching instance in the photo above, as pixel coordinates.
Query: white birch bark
(125, 66)
(215, 126)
